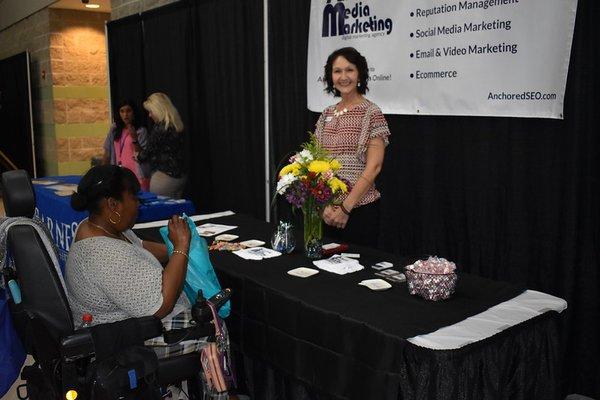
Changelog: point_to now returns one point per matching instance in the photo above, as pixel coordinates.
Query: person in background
(164, 150)
(354, 131)
(124, 141)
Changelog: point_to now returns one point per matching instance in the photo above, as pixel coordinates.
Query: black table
(327, 337)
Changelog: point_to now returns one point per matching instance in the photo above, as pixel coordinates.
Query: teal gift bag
(200, 272)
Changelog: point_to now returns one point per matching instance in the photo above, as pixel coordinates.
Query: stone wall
(69, 85)
(32, 35)
(123, 8)
(69, 80)
(80, 87)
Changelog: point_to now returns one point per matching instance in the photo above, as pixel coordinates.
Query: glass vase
(313, 230)
(283, 239)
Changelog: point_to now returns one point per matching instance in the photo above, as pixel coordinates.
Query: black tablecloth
(343, 339)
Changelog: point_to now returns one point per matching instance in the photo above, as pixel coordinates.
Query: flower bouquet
(309, 182)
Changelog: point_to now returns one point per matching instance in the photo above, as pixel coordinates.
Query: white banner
(487, 57)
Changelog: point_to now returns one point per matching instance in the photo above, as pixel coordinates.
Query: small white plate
(252, 243)
(226, 237)
(376, 284)
(303, 272)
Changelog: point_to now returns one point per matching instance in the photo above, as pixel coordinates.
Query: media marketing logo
(352, 17)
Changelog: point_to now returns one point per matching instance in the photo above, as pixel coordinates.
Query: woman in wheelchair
(112, 274)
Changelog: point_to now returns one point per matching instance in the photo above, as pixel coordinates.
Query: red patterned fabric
(347, 136)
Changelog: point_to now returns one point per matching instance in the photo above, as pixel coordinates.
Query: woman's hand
(175, 270)
(179, 233)
(334, 216)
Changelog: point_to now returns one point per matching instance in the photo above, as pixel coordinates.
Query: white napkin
(209, 229)
(256, 253)
(339, 265)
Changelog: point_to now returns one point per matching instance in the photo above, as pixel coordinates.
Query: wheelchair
(73, 363)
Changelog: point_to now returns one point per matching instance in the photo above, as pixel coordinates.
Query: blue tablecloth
(53, 207)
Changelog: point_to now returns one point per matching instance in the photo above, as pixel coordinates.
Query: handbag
(200, 272)
(216, 358)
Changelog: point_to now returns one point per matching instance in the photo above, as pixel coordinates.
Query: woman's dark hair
(102, 182)
(117, 117)
(353, 56)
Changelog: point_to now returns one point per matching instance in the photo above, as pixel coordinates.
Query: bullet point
(412, 14)
(412, 34)
(411, 55)
(412, 75)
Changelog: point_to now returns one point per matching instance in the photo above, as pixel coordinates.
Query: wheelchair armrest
(80, 344)
(151, 327)
(190, 333)
(202, 315)
(201, 312)
(77, 346)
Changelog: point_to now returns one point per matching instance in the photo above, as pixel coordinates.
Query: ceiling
(78, 5)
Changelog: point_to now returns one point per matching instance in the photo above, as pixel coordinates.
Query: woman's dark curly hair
(102, 182)
(353, 56)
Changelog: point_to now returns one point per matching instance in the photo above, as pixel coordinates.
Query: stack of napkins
(339, 265)
(256, 253)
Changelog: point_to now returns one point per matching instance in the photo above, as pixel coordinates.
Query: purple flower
(296, 194)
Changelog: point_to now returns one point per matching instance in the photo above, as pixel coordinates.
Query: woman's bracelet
(344, 210)
(182, 253)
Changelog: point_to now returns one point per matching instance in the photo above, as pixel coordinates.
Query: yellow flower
(335, 164)
(336, 185)
(318, 166)
(293, 168)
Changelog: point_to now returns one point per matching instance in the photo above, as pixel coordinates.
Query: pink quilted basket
(432, 279)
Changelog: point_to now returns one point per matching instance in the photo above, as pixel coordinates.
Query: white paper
(256, 253)
(43, 182)
(63, 187)
(195, 218)
(338, 265)
(209, 229)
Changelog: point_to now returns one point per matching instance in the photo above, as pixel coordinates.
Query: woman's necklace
(122, 237)
(339, 113)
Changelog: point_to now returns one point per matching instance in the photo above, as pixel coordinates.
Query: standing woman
(125, 140)
(355, 132)
(164, 150)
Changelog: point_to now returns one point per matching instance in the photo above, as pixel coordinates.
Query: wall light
(92, 5)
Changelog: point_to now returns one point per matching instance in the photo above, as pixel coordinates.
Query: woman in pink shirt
(125, 140)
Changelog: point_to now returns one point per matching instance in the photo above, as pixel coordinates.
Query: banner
(486, 57)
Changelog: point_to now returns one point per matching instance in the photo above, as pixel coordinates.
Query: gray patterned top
(112, 280)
